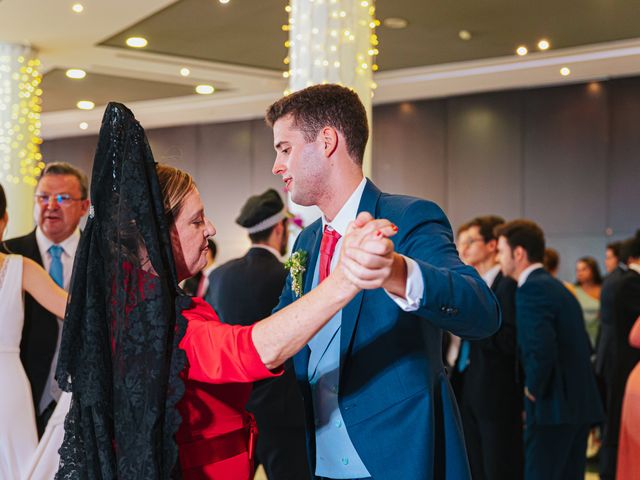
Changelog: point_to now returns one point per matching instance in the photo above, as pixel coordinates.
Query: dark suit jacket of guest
(40, 330)
(492, 385)
(394, 395)
(606, 341)
(242, 292)
(555, 352)
(625, 357)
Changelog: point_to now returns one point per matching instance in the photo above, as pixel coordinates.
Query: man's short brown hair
(487, 225)
(525, 234)
(320, 106)
(63, 168)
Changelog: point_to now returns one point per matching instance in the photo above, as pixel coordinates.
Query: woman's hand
(367, 254)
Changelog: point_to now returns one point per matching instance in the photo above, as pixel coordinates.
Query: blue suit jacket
(555, 352)
(394, 395)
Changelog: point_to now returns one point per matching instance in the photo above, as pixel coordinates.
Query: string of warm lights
(331, 41)
(20, 157)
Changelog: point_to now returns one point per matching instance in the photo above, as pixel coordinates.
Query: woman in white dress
(18, 434)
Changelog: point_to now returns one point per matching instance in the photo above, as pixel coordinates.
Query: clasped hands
(368, 258)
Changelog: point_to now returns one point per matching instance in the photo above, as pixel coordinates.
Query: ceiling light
(544, 44)
(522, 50)
(205, 89)
(224, 2)
(464, 35)
(85, 105)
(83, 125)
(77, 7)
(137, 42)
(395, 23)
(185, 72)
(564, 71)
(76, 73)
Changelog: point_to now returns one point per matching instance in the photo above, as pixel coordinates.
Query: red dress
(629, 446)
(215, 437)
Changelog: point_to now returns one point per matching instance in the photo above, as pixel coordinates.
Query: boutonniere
(297, 265)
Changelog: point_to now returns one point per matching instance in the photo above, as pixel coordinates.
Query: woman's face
(583, 272)
(189, 234)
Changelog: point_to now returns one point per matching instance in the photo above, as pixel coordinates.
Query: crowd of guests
(348, 386)
(571, 344)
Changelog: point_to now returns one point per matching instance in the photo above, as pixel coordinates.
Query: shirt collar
(634, 266)
(69, 244)
(348, 212)
(490, 275)
(527, 271)
(269, 249)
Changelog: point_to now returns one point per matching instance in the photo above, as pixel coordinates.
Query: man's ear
(492, 245)
(519, 253)
(329, 136)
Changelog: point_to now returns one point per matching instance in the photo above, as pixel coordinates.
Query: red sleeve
(218, 352)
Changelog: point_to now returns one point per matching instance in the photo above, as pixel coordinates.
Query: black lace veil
(119, 354)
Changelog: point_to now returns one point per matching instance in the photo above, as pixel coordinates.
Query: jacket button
(455, 311)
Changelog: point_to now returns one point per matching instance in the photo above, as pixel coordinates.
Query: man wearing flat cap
(243, 291)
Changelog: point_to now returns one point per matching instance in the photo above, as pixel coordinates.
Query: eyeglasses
(62, 199)
(471, 241)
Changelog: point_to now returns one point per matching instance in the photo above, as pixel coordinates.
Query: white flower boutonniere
(297, 265)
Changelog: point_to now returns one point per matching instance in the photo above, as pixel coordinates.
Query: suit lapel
(350, 313)
(312, 247)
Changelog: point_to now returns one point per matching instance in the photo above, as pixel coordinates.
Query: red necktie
(328, 245)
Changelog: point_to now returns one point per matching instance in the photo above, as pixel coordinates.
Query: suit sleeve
(504, 341)
(286, 297)
(221, 353)
(536, 338)
(455, 297)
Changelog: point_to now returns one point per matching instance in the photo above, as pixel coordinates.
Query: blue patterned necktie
(55, 269)
(463, 357)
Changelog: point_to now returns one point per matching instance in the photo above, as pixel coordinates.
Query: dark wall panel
(565, 155)
(484, 152)
(408, 149)
(624, 175)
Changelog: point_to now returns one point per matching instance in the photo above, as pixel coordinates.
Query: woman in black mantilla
(139, 356)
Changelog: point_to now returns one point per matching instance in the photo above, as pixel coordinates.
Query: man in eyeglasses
(61, 200)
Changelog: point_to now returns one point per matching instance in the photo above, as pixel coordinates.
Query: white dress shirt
(69, 246)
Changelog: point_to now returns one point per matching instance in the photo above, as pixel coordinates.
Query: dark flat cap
(262, 211)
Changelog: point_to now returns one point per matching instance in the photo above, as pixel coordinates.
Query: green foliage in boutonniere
(297, 265)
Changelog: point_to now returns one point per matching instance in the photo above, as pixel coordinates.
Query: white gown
(18, 434)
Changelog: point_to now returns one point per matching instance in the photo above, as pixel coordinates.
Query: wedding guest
(626, 308)
(587, 289)
(629, 447)
(561, 396)
(377, 398)
(150, 367)
(244, 291)
(61, 200)
(198, 285)
(491, 392)
(612, 256)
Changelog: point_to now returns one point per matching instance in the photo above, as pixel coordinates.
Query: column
(20, 158)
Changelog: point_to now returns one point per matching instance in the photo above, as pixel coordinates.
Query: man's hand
(368, 256)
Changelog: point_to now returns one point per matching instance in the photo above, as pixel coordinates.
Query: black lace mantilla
(119, 354)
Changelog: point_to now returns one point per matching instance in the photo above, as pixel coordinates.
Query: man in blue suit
(378, 402)
(562, 400)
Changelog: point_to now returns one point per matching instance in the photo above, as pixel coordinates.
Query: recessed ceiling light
(85, 105)
(205, 89)
(137, 42)
(76, 73)
(185, 72)
(395, 23)
(83, 125)
(564, 71)
(77, 7)
(544, 44)
(522, 50)
(464, 35)
(224, 2)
